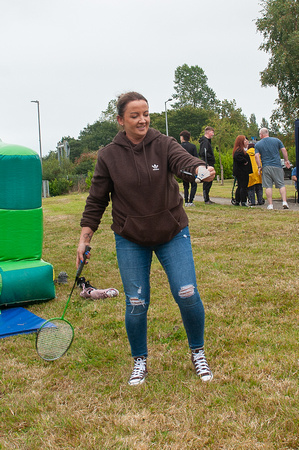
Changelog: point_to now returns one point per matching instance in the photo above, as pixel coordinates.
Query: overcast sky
(74, 56)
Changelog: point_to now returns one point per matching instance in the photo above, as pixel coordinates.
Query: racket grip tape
(82, 263)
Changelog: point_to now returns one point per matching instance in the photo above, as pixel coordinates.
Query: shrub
(89, 178)
(227, 163)
(59, 186)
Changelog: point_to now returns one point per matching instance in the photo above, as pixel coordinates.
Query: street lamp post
(166, 123)
(39, 133)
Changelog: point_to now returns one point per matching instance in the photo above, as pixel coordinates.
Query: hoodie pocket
(151, 230)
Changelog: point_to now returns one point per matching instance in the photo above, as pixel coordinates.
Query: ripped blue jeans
(177, 260)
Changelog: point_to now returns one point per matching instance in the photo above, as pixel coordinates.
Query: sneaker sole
(206, 378)
(137, 382)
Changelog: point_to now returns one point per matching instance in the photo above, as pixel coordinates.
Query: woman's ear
(120, 121)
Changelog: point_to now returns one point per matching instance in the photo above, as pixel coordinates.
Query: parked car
(287, 172)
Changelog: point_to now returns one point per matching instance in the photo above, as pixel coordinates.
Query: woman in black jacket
(241, 169)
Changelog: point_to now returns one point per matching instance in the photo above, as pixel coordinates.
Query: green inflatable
(24, 276)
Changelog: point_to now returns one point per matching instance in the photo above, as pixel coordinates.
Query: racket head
(54, 338)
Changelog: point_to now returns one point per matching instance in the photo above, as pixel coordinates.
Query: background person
(136, 171)
(241, 169)
(294, 177)
(255, 187)
(206, 153)
(191, 148)
(267, 151)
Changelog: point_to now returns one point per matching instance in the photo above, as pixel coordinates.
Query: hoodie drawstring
(146, 163)
(135, 163)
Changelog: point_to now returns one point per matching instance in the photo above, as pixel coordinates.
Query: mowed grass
(247, 269)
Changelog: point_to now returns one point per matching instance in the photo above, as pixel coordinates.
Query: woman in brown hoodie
(136, 171)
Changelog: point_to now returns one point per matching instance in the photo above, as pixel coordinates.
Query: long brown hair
(239, 143)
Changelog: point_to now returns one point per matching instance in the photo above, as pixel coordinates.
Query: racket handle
(82, 263)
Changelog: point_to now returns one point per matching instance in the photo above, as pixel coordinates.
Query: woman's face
(246, 142)
(135, 120)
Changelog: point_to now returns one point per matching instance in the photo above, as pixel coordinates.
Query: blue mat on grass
(18, 321)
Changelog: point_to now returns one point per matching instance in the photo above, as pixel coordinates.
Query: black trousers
(206, 187)
(242, 190)
(192, 191)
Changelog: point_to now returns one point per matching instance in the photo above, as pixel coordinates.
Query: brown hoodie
(147, 207)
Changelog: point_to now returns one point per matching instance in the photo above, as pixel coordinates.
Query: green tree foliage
(229, 110)
(228, 125)
(253, 129)
(97, 135)
(110, 113)
(264, 123)
(75, 147)
(185, 118)
(191, 88)
(52, 169)
(226, 162)
(86, 163)
(59, 186)
(57, 174)
(279, 27)
(94, 136)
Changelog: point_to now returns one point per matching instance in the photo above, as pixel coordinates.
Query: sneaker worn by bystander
(209, 202)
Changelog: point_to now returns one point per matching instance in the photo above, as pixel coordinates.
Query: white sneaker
(187, 204)
(139, 372)
(270, 206)
(201, 366)
(285, 205)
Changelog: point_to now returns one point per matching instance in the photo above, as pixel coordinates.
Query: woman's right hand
(85, 238)
(80, 254)
(212, 172)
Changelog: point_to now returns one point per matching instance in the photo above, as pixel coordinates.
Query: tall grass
(247, 268)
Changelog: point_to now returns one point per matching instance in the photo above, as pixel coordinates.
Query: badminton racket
(56, 335)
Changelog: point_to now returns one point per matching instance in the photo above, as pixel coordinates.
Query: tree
(110, 113)
(253, 129)
(75, 147)
(99, 134)
(230, 123)
(264, 123)
(190, 84)
(186, 118)
(52, 169)
(86, 163)
(228, 109)
(279, 27)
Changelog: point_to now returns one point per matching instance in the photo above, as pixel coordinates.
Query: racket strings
(54, 339)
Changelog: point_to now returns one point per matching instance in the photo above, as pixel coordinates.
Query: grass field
(247, 267)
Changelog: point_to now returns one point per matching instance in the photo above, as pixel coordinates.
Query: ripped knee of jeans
(135, 301)
(136, 305)
(186, 291)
